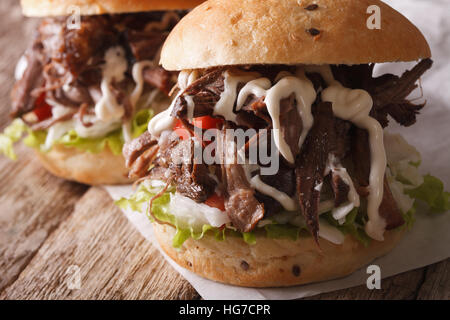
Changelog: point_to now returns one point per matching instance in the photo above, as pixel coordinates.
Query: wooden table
(50, 227)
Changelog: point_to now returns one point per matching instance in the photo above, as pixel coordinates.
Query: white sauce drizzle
(224, 107)
(164, 121)
(190, 106)
(98, 129)
(126, 131)
(21, 66)
(318, 187)
(262, 87)
(107, 108)
(104, 121)
(138, 78)
(299, 85)
(137, 74)
(347, 104)
(287, 85)
(58, 129)
(355, 106)
(186, 77)
(353, 197)
(287, 202)
(164, 23)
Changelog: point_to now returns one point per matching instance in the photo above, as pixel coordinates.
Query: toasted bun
(235, 32)
(270, 262)
(84, 167)
(45, 8)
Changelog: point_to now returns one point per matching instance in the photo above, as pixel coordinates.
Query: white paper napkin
(429, 240)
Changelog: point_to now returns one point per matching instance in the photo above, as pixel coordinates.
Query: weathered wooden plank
(436, 284)
(114, 260)
(32, 204)
(432, 282)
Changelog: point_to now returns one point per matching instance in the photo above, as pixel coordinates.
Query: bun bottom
(84, 167)
(272, 262)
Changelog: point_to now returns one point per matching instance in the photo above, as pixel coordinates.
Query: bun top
(46, 8)
(235, 32)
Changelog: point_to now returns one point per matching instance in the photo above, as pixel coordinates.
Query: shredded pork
(329, 136)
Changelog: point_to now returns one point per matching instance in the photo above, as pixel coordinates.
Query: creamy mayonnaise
(347, 104)
(224, 107)
(57, 130)
(108, 113)
(287, 84)
(333, 165)
(164, 23)
(137, 73)
(355, 106)
(97, 128)
(164, 121)
(288, 203)
(107, 108)
(21, 66)
(299, 85)
(190, 107)
(186, 77)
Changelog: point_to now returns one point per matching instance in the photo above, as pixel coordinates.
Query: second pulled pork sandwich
(344, 189)
(90, 81)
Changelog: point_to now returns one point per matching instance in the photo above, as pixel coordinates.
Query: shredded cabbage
(160, 209)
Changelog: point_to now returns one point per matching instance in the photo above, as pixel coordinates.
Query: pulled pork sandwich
(301, 74)
(88, 83)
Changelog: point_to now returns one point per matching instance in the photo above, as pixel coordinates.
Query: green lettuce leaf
(36, 139)
(432, 192)
(140, 122)
(249, 237)
(409, 217)
(282, 231)
(160, 209)
(10, 135)
(114, 140)
(353, 225)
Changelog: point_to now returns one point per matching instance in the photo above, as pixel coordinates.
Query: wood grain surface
(62, 240)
